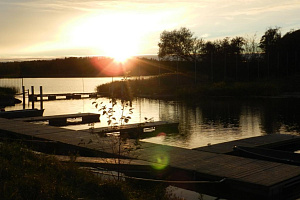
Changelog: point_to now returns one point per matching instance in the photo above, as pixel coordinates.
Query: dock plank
(273, 176)
(97, 160)
(31, 129)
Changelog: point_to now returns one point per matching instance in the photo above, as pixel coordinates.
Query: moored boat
(267, 154)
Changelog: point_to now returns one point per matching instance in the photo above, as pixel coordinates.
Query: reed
(7, 92)
(182, 86)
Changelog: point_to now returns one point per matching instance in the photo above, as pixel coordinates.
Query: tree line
(77, 67)
(237, 58)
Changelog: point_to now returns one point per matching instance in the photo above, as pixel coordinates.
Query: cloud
(205, 35)
(92, 5)
(84, 5)
(259, 10)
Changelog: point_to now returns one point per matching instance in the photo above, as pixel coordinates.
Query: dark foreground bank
(27, 175)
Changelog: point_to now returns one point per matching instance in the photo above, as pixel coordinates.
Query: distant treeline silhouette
(75, 67)
(239, 58)
(236, 58)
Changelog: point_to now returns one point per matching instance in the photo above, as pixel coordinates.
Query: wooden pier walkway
(12, 114)
(51, 97)
(123, 165)
(243, 178)
(136, 127)
(62, 120)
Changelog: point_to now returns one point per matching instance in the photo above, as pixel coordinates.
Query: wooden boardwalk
(123, 165)
(137, 127)
(52, 97)
(62, 120)
(12, 114)
(244, 178)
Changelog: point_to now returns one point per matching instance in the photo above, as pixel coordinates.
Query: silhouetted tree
(237, 45)
(290, 51)
(210, 48)
(251, 47)
(225, 46)
(270, 40)
(179, 44)
(290, 42)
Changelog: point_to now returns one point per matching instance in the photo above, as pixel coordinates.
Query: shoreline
(174, 87)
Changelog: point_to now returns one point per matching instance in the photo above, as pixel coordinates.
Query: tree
(270, 40)
(251, 47)
(290, 42)
(180, 44)
(225, 46)
(237, 45)
(210, 48)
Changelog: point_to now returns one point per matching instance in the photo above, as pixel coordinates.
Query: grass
(182, 86)
(27, 175)
(241, 89)
(7, 92)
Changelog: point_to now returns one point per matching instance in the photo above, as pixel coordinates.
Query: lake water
(209, 121)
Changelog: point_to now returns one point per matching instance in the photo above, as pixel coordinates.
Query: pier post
(23, 93)
(32, 95)
(28, 96)
(41, 97)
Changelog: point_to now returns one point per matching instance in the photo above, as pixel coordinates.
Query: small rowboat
(268, 154)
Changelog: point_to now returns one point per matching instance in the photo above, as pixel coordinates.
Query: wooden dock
(242, 178)
(123, 165)
(52, 97)
(137, 128)
(21, 113)
(62, 120)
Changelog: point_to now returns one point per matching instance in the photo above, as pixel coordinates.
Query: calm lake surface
(209, 121)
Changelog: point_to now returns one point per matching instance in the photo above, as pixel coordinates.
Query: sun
(121, 48)
(122, 51)
(115, 36)
(120, 58)
(118, 31)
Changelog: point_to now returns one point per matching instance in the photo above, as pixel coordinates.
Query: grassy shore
(7, 95)
(182, 86)
(27, 175)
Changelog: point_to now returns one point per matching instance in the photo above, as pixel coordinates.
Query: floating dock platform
(21, 113)
(52, 97)
(137, 128)
(62, 120)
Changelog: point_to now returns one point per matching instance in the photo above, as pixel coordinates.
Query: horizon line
(32, 58)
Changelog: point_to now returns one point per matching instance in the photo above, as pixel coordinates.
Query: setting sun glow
(117, 36)
(65, 28)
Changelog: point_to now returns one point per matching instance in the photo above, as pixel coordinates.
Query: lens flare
(161, 134)
(161, 161)
(107, 66)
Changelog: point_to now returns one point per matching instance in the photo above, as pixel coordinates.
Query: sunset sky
(58, 28)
